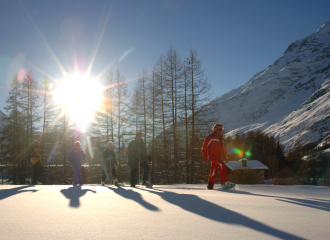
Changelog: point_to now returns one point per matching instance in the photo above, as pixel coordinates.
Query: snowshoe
(227, 186)
(115, 182)
(103, 182)
(147, 184)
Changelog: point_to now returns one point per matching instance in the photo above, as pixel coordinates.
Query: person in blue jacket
(75, 157)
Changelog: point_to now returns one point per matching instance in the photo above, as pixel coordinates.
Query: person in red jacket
(214, 149)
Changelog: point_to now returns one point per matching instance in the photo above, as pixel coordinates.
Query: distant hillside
(290, 99)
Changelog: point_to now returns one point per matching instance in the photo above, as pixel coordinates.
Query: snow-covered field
(164, 212)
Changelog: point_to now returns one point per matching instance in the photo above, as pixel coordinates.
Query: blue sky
(235, 39)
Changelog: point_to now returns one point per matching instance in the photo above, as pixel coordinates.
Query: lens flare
(239, 152)
(90, 147)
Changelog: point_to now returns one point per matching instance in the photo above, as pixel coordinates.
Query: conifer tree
(141, 86)
(186, 128)
(280, 155)
(120, 107)
(199, 92)
(173, 75)
(164, 115)
(30, 106)
(50, 117)
(13, 142)
(103, 126)
(65, 135)
(134, 109)
(154, 115)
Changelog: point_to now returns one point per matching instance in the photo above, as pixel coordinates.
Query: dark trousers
(76, 167)
(37, 170)
(134, 170)
(106, 170)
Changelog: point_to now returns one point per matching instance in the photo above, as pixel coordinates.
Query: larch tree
(199, 88)
(154, 113)
(13, 142)
(50, 118)
(173, 76)
(120, 107)
(103, 125)
(31, 104)
(164, 120)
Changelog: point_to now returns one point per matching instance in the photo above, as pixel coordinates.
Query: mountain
(290, 99)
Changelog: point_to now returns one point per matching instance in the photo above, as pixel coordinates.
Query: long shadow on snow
(209, 210)
(308, 202)
(130, 194)
(74, 193)
(5, 193)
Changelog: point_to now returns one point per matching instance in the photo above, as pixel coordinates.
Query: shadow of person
(135, 196)
(201, 207)
(5, 193)
(74, 193)
(307, 202)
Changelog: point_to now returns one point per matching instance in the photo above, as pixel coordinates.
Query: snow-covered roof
(250, 164)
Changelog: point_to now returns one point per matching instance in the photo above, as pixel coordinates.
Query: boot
(133, 181)
(210, 185)
(115, 182)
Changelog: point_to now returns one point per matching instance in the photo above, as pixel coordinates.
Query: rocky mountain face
(290, 99)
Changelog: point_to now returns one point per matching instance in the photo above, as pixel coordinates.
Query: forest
(166, 105)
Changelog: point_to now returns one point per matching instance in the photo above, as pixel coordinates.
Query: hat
(218, 126)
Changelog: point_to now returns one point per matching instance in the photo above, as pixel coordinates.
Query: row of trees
(259, 146)
(164, 105)
(31, 111)
(304, 164)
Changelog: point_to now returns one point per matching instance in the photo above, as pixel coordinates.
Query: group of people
(136, 152)
(213, 150)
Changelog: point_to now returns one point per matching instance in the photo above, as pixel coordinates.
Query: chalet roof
(250, 164)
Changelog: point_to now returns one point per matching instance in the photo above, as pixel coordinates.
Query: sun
(80, 96)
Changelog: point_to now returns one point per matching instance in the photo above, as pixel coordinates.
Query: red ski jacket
(214, 148)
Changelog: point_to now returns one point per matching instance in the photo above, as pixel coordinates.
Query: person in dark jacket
(34, 153)
(109, 159)
(75, 157)
(137, 154)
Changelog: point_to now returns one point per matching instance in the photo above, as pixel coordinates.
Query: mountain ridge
(275, 99)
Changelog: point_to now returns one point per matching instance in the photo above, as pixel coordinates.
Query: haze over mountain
(290, 99)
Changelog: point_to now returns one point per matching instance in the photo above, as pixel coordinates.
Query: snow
(164, 212)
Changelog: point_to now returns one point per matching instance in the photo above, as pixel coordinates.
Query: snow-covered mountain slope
(290, 99)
